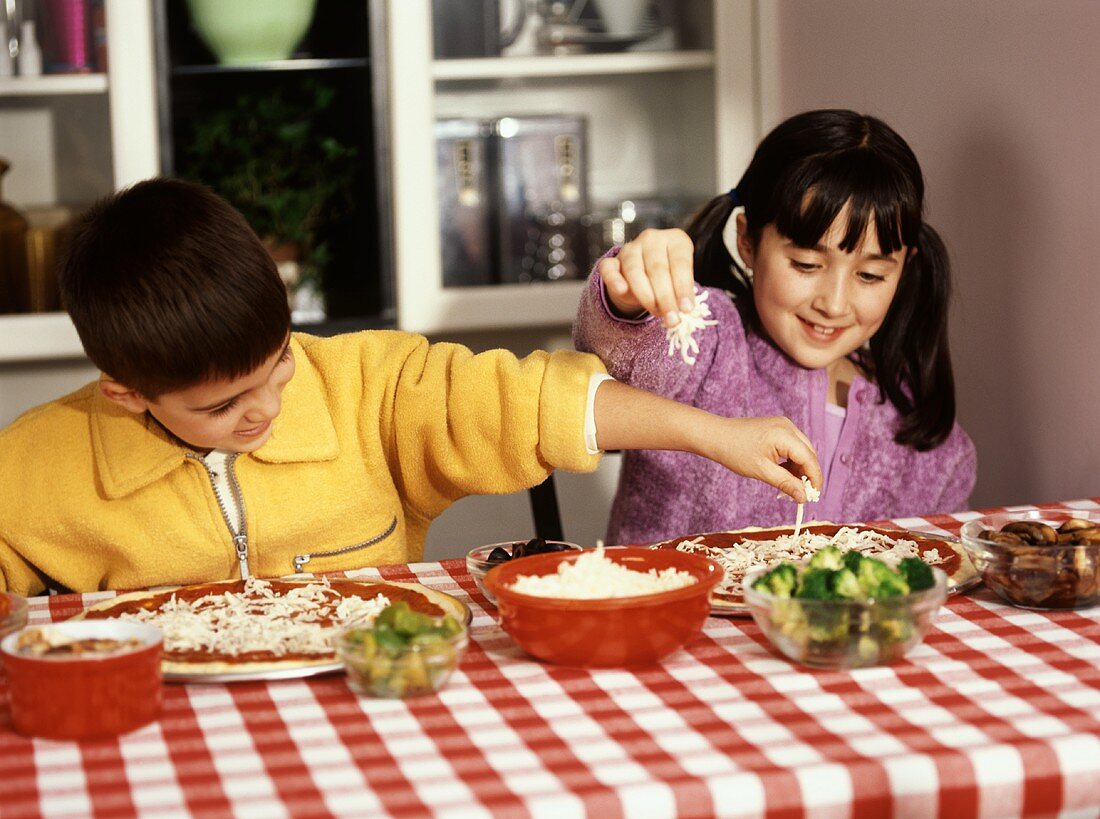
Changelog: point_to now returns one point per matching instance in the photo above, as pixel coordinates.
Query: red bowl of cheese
(605, 631)
(93, 694)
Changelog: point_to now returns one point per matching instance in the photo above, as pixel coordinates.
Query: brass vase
(13, 249)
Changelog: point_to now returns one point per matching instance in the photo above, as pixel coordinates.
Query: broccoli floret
(917, 573)
(846, 585)
(878, 580)
(889, 629)
(817, 584)
(828, 558)
(852, 561)
(779, 582)
(827, 624)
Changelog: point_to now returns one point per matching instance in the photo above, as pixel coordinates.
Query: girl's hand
(772, 450)
(652, 273)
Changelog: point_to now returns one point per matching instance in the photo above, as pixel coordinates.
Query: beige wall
(1000, 100)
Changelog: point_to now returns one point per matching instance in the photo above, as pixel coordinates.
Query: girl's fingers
(612, 279)
(681, 261)
(655, 258)
(802, 460)
(783, 480)
(633, 269)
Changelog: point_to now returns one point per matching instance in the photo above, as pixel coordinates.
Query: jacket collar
(132, 451)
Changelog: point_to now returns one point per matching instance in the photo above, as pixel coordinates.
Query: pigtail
(714, 264)
(909, 353)
(713, 261)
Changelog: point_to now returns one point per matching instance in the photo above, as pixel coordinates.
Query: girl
(834, 315)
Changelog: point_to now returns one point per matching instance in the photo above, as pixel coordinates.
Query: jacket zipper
(302, 560)
(240, 533)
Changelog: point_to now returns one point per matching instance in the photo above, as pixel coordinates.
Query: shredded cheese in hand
(681, 338)
(813, 495)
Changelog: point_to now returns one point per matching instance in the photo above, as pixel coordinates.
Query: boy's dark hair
(802, 175)
(169, 287)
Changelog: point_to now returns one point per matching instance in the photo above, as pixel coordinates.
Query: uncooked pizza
(257, 626)
(738, 552)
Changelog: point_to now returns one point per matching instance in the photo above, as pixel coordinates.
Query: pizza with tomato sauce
(738, 552)
(259, 628)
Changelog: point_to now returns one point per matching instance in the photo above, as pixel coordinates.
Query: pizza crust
(257, 669)
(963, 577)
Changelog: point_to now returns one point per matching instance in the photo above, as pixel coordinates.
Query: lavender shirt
(739, 374)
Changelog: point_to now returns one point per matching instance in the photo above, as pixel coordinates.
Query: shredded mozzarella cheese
(681, 338)
(258, 619)
(812, 496)
(592, 576)
(738, 560)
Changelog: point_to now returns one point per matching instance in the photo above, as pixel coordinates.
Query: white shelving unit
(53, 84)
(659, 122)
(130, 148)
(500, 68)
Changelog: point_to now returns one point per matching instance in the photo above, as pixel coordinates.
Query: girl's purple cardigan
(739, 374)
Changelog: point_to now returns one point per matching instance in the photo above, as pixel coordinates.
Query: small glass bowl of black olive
(483, 558)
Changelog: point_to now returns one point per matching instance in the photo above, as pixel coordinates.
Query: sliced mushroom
(1033, 531)
(1073, 524)
(1007, 538)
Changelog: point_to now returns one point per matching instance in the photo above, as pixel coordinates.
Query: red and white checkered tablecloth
(996, 714)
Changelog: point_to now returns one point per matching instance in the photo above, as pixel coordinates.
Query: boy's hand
(652, 273)
(772, 450)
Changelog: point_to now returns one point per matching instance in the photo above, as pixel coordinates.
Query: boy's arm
(772, 450)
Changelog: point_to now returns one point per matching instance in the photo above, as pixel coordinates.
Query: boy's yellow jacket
(379, 432)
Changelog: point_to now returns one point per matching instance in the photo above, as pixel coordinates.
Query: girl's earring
(748, 274)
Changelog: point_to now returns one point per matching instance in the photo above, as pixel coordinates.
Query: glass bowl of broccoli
(842, 610)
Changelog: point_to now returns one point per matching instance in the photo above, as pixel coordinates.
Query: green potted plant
(270, 155)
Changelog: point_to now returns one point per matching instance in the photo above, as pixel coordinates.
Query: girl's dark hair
(801, 177)
(169, 287)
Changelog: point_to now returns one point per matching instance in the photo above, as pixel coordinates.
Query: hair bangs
(857, 184)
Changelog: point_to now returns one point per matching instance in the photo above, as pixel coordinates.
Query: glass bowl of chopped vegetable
(841, 610)
(618, 607)
(403, 653)
(1038, 559)
(483, 558)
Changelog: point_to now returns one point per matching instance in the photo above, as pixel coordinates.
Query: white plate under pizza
(739, 551)
(236, 630)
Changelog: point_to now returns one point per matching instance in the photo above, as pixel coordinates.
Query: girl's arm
(617, 318)
(772, 450)
(652, 273)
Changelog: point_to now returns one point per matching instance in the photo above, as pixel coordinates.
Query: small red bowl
(608, 632)
(85, 696)
(13, 612)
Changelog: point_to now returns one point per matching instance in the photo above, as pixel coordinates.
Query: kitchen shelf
(497, 306)
(659, 123)
(53, 85)
(305, 64)
(38, 336)
(640, 62)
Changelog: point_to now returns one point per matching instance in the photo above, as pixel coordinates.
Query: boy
(217, 444)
